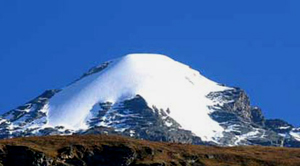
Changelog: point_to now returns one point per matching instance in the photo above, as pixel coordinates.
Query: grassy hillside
(116, 150)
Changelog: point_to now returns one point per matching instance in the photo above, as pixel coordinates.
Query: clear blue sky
(251, 44)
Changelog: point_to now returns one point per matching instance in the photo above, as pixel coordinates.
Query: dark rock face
(24, 116)
(237, 102)
(135, 119)
(21, 155)
(285, 130)
(76, 155)
(104, 155)
(244, 124)
(278, 125)
(95, 70)
(257, 116)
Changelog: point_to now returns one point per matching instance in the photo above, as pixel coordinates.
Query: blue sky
(250, 44)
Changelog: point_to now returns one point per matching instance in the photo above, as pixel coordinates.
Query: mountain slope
(162, 82)
(153, 97)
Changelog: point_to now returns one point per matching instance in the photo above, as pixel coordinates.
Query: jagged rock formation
(137, 120)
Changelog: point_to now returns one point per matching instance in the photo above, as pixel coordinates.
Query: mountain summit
(149, 96)
(161, 81)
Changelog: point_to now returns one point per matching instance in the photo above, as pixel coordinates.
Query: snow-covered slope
(161, 81)
(149, 96)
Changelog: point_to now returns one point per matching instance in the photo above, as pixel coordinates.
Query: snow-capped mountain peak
(161, 81)
(149, 96)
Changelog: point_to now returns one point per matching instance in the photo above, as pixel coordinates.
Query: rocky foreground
(116, 150)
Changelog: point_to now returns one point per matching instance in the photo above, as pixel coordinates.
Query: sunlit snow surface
(295, 134)
(161, 81)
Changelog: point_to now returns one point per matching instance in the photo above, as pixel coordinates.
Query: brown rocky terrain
(116, 150)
